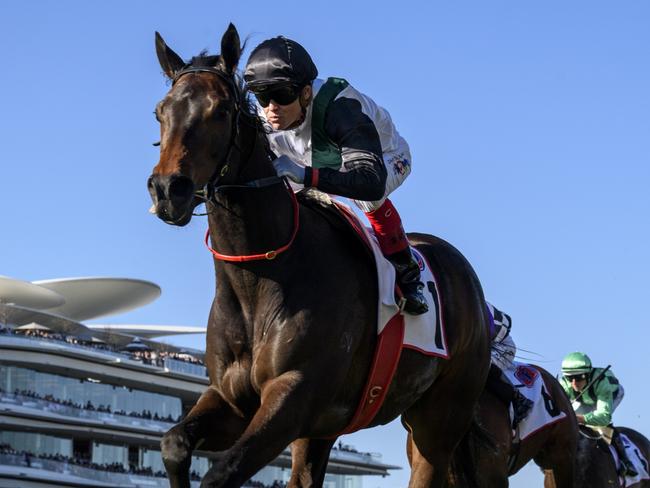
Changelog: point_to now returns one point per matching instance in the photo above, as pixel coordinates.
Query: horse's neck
(247, 221)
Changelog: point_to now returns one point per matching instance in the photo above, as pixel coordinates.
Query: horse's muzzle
(173, 198)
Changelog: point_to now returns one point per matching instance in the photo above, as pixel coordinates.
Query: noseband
(212, 187)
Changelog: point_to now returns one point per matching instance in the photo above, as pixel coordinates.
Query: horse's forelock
(205, 60)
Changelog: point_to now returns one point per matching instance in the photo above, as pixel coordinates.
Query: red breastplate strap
(266, 255)
(384, 364)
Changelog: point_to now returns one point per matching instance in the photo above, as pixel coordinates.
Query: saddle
(395, 330)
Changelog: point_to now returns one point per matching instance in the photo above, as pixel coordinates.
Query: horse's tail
(465, 461)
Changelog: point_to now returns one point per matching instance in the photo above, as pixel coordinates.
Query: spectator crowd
(145, 414)
(144, 355)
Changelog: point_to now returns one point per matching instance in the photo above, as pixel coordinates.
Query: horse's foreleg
(210, 424)
(438, 422)
(309, 459)
(278, 422)
(549, 479)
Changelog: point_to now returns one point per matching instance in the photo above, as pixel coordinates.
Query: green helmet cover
(576, 363)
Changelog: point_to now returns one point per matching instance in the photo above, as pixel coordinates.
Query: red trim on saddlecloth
(314, 177)
(384, 364)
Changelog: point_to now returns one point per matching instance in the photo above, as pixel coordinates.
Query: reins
(212, 187)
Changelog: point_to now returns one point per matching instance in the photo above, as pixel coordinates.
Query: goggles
(282, 95)
(577, 377)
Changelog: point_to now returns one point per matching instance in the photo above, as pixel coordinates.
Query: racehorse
(595, 465)
(553, 448)
(292, 332)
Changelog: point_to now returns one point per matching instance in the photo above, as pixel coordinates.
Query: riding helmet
(576, 363)
(279, 61)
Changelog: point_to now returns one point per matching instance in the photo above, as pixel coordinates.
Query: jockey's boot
(500, 386)
(627, 468)
(408, 279)
(387, 225)
(520, 406)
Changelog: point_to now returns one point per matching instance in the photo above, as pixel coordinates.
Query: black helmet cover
(279, 61)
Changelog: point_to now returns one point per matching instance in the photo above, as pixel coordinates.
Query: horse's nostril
(180, 188)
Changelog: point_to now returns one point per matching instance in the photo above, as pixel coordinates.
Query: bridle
(204, 193)
(212, 187)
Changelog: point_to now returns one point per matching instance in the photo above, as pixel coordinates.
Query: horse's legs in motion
(549, 479)
(269, 432)
(309, 462)
(210, 416)
(557, 460)
(437, 425)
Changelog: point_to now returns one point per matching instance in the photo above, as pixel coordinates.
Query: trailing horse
(553, 447)
(595, 465)
(292, 331)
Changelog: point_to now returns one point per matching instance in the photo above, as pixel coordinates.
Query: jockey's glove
(284, 166)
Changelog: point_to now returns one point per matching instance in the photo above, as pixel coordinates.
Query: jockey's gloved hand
(284, 166)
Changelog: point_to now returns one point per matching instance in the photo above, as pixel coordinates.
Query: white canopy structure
(60, 305)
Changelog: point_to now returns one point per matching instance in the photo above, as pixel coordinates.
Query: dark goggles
(577, 377)
(282, 95)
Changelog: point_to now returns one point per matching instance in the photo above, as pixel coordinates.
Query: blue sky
(528, 122)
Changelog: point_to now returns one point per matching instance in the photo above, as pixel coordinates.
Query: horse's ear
(170, 62)
(230, 49)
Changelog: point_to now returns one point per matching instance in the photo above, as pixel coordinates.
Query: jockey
(595, 393)
(334, 138)
(502, 351)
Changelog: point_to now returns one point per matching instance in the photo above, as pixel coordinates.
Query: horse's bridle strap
(269, 254)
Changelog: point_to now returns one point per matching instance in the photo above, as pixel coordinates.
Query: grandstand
(86, 405)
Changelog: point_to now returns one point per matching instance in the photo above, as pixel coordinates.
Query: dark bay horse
(553, 448)
(290, 338)
(595, 465)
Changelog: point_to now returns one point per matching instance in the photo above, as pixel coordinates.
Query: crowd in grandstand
(145, 414)
(144, 355)
(27, 459)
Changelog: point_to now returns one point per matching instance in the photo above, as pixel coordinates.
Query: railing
(185, 368)
(94, 476)
(174, 365)
(82, 413)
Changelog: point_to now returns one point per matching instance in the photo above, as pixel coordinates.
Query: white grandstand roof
(89, 298)
(62, 304)
(28, 294)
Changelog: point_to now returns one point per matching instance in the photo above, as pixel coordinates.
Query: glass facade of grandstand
(58, 391)
(50, 421)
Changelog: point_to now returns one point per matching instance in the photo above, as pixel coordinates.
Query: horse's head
(197, 126)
